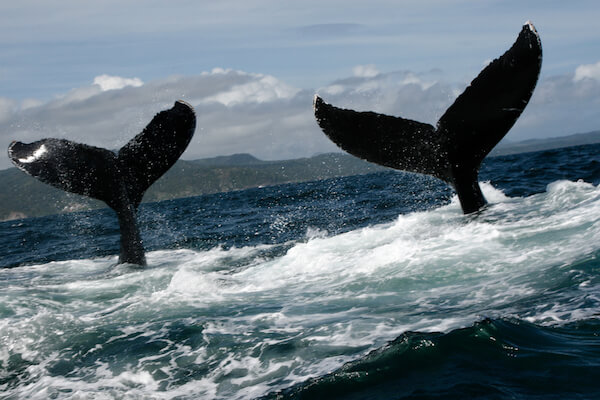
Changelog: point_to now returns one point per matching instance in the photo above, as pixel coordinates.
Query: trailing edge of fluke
(119, 179)
(465, 134)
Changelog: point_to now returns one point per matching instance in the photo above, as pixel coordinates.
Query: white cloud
(102, 83)
(261, 89)
(30, 103)
(217, 71)
(334, 89)
(591, 71)
(400, 93)
(262, 115)
(560, 106)
(7, 107)
(365, 71)
(236, 112)
(77, 95)
(108, 82)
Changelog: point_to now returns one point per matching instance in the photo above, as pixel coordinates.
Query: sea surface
(363, 287)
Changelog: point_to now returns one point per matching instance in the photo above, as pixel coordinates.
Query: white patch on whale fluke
(37, 154)
(530, 25)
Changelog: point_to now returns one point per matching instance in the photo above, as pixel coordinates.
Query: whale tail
(119, 179)
(469, 129)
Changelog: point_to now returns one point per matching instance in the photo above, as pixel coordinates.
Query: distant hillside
(23, 196)
(234, 160)
(527, 146)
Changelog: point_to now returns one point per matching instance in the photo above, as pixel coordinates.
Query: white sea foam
(257, 324)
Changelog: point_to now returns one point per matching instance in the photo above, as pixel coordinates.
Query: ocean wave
(492, 359)
(238, 322)
(372, 286)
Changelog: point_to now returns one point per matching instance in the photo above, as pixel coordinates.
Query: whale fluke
(453, 150)
(121, 179)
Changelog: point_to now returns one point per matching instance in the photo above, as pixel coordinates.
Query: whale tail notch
(469, 129)
(121, 179)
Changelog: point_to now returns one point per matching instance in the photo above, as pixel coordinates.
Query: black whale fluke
(119, 179)
(465, 134)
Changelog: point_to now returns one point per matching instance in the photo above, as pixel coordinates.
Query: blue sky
(251, 67)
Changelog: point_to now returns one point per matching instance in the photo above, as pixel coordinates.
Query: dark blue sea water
(364, 287)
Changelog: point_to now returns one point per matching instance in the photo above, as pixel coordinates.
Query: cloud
(107, 82)
(365, 71)
(418, 96)
(259, 114)
(587, 71)
(7, 107)
(561, 105)
(236, 112)
(260, 89)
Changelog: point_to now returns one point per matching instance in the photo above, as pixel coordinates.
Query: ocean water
(363, 287)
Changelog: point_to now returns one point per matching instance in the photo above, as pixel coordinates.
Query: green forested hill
(23, 196)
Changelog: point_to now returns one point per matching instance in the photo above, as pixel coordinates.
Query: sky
(96, 72)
